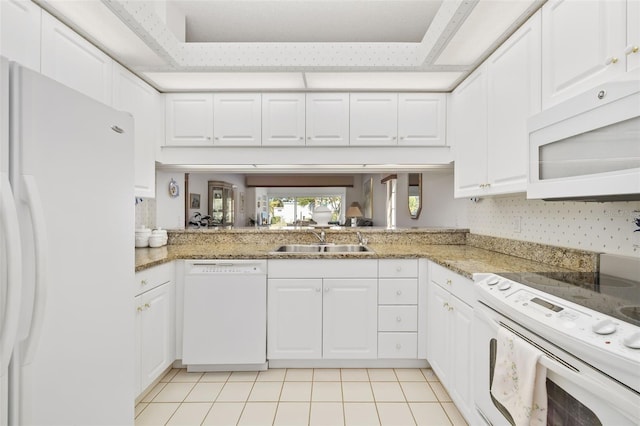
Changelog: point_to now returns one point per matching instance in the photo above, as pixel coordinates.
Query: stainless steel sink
(322, 248)
(300, 248)
(346, 248)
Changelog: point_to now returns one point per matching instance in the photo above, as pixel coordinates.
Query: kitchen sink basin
(322, 248)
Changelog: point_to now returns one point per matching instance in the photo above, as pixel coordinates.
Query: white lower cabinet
(155, 326)
(349, 318)
(449, 339)
(322, 309)
(294, 318)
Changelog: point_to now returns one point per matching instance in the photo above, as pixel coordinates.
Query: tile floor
(298, 397)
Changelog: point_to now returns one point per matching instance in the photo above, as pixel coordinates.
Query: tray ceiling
(237, 45)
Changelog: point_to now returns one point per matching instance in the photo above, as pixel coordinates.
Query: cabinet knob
(398, 346)
(631, 49)
(445, 304)
(139, 309)
(143, 282)
(147, 306)
(398, 268)
(449, 282)
(208, 138)
(450, 308)
(318, 290)
(301, 138)
(398, 319)
(217, 138)
(399, 292)
(309, 137)
(326, 290)
(393, 138)
(611, 60)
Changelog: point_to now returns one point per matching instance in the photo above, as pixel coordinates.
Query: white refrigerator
(67, 256)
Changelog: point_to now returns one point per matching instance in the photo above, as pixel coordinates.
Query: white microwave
(588, 148)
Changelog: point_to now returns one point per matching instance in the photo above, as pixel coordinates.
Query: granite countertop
(463, 259)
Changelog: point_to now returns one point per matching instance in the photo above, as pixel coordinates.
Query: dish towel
(519, 382)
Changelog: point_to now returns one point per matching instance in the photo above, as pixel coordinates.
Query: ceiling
(187, 45)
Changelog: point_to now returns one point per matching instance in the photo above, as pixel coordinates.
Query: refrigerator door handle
(40, 245)
(11, 230)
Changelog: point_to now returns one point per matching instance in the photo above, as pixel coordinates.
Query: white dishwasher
(225, 315)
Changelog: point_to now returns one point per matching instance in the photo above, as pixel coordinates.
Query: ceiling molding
(447, 21)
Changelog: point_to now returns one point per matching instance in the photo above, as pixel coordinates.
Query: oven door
(577, 394)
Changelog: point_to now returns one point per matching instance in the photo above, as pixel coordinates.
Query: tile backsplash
(600, 227)
(145, 212)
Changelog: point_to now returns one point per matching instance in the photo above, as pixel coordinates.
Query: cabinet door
(141, 100)
(283, 119)
(421, 118)
(20, 32)
(237, 119)
(580, 40)
(73, 61)
(469, 110)
(137, 345)
(373, 118)
(461, 375)
(189, 118)
(294, 319)
(514, 95)
(439, 332)
(633, 35)
(157, 318)
(350, 318)
(327, 119)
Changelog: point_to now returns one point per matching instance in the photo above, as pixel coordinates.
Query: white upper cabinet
(490, 111)
(189, 118)
(421, 118)
(327, 119)
(514, 96)
(374, 118)
(583, 45)
(143, 102)
(632, 50)
(469, 111)
(237, 119)
(283, 119)
(73, 61)
(20, 32)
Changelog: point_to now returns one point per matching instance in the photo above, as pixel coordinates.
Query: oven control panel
(563, 317)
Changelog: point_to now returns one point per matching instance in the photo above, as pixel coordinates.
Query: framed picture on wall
(367, 197)
(194, 201)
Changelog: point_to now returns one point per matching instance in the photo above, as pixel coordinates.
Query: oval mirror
(415, 195)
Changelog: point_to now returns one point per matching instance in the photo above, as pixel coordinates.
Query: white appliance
(587, 148)
(67, 323)
(225, 315)
(592, 359)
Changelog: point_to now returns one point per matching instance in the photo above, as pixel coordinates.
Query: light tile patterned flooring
(297, 397)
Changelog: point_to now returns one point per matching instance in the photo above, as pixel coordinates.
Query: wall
(169, 211)
(600, 227)
(145, 213)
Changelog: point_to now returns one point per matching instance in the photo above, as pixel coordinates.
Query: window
(294, 206)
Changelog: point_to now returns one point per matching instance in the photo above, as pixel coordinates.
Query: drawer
(456, 284)
(398, 268)
(322, 268)
(398, 291)
(153, 277)
(397, 318)
(398, 345)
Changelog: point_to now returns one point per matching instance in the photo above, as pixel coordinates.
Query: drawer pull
(398, 346)
(143, 282)
(399, 319)
(399, 292)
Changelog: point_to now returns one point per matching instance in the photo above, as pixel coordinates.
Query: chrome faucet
(322, 236)
(361, 240)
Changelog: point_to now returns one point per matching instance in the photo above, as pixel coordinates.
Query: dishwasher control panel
(226, 267)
